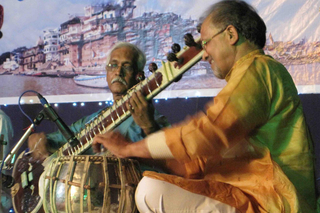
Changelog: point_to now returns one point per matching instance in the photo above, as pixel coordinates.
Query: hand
(120, 146)
(113, 141)
(37, 144)
(142, 112)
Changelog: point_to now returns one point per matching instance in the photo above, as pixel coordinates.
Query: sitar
(26, 193)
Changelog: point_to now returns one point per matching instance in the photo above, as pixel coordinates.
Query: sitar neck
(113, 116)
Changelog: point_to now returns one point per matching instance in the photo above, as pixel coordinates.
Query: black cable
(19, 104)
(22, 109)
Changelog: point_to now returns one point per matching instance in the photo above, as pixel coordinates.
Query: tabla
(79, 184)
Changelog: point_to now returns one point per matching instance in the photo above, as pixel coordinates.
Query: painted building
(84, 41)
(51, 44)
(33, 58)
(10, 65)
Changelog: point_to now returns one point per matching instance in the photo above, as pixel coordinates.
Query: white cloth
(157, 146)
(156, 196)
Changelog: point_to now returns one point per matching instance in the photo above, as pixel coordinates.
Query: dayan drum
(90, 184)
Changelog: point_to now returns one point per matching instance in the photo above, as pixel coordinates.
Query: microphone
(53, 116)
(7, 181)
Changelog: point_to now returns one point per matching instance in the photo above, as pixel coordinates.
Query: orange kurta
(251, 149)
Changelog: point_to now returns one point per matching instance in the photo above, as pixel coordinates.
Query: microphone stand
(9, 161)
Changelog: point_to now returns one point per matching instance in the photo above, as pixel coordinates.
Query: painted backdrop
(58, 47)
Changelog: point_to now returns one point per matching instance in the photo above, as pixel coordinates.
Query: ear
(232, 34)
(140, 76)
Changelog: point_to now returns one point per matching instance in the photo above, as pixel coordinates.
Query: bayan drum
(79, 184)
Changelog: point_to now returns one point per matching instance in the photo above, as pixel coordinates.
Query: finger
(141, 97)
(134, 101)
(97, 140)
(130, 107)
(143, 103)
(96, 148)
(102, 139)
(96, 144)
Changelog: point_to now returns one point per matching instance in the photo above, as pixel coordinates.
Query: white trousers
(162, 197)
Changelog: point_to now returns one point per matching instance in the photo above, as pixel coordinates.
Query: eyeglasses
(204, 43)
(113, 67)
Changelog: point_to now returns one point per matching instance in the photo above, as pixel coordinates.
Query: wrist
(137, 149)
(151, 128)
(128, 151)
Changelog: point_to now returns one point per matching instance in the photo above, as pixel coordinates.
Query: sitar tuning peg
(178, 78)
(188, 40)
(152, 67)
(172, 57)
(175, 48)
(140, 76)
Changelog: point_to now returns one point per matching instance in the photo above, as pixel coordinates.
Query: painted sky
(25, 20)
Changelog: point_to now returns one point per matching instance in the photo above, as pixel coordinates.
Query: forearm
(138, 149)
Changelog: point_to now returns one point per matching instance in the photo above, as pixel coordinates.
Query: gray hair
(139, 58)
(242, 16)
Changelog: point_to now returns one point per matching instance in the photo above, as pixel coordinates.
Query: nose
(205, 56)
(119, 71)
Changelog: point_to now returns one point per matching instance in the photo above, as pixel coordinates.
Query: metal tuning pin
(189, 41)
(152, 67)
(175, 48)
